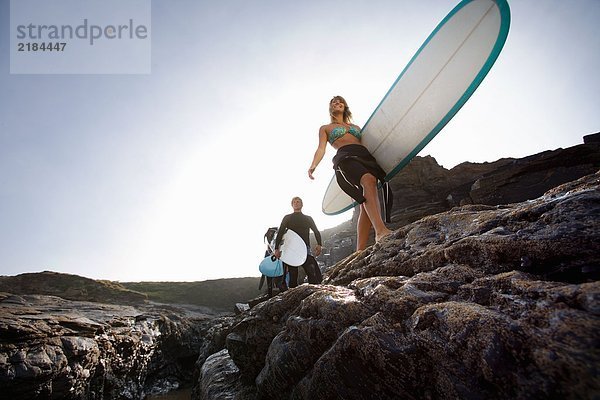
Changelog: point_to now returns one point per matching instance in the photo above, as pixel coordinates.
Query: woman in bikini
(356, 170)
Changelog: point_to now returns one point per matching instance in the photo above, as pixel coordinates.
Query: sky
(175, 174)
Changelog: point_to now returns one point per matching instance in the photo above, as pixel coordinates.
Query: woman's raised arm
(319, 153)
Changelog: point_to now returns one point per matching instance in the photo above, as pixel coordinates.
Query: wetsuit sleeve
(282, 229)
(313, 226)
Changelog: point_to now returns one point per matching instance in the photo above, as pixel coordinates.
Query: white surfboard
(435, 84)
(293, 249)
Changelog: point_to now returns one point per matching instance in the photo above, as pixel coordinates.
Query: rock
(241, 307)
(250, 339)
(592, 138)
(220, 379)
(530, 177)
(56, 348)
(425, 188)
(480, 301)
(213, 342)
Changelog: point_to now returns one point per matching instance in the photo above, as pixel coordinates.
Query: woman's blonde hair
(347, 116)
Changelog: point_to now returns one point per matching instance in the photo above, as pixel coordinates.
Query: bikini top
(340, 131)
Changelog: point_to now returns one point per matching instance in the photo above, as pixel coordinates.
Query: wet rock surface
(52, 348)
(477, 302)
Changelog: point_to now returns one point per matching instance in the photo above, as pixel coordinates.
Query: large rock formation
(425, 188)
(479, 302)
(52, 348)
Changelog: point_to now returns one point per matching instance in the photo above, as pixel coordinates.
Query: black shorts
(351, 163)
(353, 170)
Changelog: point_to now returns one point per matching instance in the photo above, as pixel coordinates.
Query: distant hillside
(71, 287)
(220, 293)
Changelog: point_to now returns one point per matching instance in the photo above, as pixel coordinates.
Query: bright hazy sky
(176, 175)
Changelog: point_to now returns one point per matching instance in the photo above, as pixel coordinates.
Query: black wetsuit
(301, 224)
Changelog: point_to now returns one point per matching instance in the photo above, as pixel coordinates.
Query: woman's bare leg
(371, 206)
(363, 228)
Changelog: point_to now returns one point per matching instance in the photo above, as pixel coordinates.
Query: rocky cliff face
(479, 302)
(52, 348)
(425, 188)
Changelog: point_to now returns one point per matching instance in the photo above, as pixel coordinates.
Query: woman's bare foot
(382, 235)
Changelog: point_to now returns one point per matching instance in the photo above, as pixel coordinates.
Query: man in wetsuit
(301, 224)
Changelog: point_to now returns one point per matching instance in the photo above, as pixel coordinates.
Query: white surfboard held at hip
(293, 249)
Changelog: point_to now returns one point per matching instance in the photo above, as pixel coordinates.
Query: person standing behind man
(301, 224)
